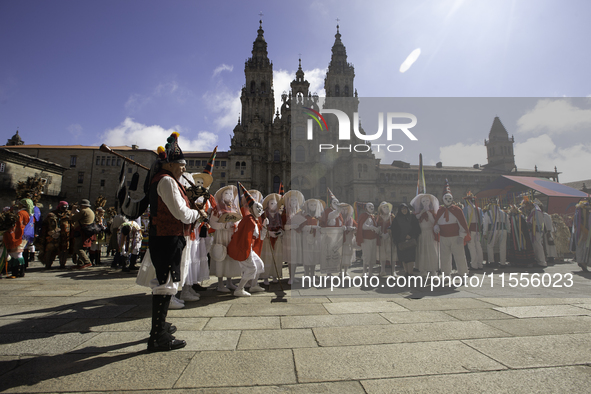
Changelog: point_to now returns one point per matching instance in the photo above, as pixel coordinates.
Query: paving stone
(243, 323)
(357, 319)
(548, 380)
(383, 361)
(33, 343)
(543, 325)
(478, 314)
(535, 301)
(101, 372)
(279, 309)
(277, 339)
(538, 351)
(209, 340)
(412, 332)
(363, 307)
(142, 325)
(31, 325)
(352, 387)
(436, 304)
(239, 368)
(92, 311)
(417, 317)
(543, 310)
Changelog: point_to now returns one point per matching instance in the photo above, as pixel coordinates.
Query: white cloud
(544, 153)
(222, 67)
(75, 130)
(225, 105)
(130, 132)
(166, 90)
(555, 117)
(462, 155)
(414, 55)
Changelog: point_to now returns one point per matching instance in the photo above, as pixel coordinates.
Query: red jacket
(240, 245)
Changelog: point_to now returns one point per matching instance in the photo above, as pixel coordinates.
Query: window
(222, 174)
(102, 184)
(223, 163)
(98, 160)
(337, 91)
(252, 86)
(300, 154)
(79, 189)
(131, 157)
(108, 161)
(346, 90)
(276, 182)
(73, 161)
(81, 177)
(191, 163)
(118, 161)
(237, 165)
(129, 170)
(222, 185)
(102, 160)
(263, 87)
(243, 165)
(217, 163)
(276, 156)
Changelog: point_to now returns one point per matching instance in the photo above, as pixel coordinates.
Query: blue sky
(130, 71)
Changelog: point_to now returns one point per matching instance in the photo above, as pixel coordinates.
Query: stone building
(16, 167)
(90, 172)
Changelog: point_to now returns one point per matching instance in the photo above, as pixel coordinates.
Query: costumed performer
(367, 235)
(14, 242)
(387, 251)
(171, 217)
(425, 207)
(473, 215)
(349, 244)
(581, 236)
(226, 207)
(272, 252)
(535, 222)
(495, 225)
(520, 252)
(240, 248)
(292, 217)
(452, 228)
(332, 227)
(310, 232)
(548, 238)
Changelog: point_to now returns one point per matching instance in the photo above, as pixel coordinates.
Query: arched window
(337, 91)
(346, 91)
(263, 87)
(243, 165)
(276, 182)
(252, 86)
(237, 165)
(300, 154)
(276, 156)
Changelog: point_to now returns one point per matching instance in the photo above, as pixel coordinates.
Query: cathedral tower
(499, 148)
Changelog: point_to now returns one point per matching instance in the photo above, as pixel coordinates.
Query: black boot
(125, 261)
(132, 261)
(161, 338)
(97, 260)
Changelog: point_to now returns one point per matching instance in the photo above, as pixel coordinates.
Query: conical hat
(209, 167)
(384, 203)
(257, 195)
(294, 194)
(281, 191)
(249, 200)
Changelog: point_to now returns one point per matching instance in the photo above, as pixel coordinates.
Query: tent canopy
(561, 198)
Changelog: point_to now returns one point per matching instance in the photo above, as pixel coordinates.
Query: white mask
(198, 181)
(447, 199)
(257, 209)
(370, 208)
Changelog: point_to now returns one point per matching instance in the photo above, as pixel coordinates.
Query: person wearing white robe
(425, 207)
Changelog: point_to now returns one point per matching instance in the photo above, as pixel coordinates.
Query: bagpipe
(133, 208)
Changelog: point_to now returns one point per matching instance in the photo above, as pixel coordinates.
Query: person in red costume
(240, 247)
(452, 228)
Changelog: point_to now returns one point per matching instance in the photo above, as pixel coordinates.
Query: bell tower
(499, 148)
(339, 77)
(257, 94)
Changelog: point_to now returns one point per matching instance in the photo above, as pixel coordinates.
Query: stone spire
(499, 147)
(340, 74)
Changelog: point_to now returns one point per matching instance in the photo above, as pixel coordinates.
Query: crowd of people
(189, 235)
